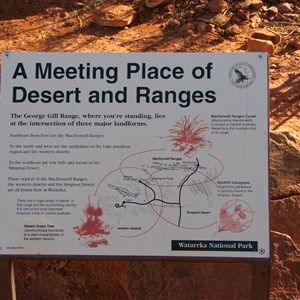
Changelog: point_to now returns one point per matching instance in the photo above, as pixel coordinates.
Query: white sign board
(134, 154)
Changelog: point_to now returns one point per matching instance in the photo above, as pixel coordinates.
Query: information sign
(134, 154)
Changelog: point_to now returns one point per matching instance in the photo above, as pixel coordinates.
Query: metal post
(7, 280)
(261, 280)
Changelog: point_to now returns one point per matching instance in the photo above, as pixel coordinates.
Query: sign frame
(241, 76)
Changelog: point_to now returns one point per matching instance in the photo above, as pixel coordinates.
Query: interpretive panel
(134, 154)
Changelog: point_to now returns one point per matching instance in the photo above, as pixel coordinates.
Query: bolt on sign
(134, 154)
